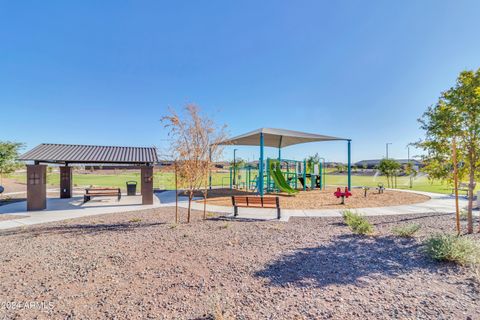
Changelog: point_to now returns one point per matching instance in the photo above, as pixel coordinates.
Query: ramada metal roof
(74, 153)
(277, 138)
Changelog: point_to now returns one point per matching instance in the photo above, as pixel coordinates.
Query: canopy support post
(349, 165)
(260, 166)
(280, 149)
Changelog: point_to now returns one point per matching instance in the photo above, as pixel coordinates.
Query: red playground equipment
(341, 194)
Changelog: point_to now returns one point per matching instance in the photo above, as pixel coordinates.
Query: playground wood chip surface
(317, 199)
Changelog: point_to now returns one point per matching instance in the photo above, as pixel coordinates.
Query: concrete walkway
(437, 203)
(63, 209)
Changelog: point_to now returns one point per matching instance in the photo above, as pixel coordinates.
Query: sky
(105, 72)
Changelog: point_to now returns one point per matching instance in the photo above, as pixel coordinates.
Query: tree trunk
(470, 199)
(205, 204)
(455, 182)
(190, 196)
(176, 195)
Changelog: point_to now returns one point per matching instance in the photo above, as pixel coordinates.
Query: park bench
(255, 202)
(102, 192)
(464, 187)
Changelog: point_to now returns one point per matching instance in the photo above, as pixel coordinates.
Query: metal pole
(386, 147)
(280, 149)
(304, 174)
(234, 168)
(260, 166)
(349, 165)
(411, 167)
(322, 173)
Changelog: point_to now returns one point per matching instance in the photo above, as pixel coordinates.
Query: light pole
(386, 147)
(234, 167)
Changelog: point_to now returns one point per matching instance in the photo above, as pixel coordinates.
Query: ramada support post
(36, 187)
(146, 173)
(66, 181)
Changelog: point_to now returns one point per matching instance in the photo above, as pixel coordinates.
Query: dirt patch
(317, 199)
(11, 185)
(138, 265)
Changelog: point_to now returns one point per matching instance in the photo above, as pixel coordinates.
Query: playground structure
(281, 174)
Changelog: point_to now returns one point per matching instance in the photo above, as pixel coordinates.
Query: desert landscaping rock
(111, 267)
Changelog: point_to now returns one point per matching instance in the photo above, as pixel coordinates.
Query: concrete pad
(62, 209)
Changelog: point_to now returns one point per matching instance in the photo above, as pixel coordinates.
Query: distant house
(372, 164)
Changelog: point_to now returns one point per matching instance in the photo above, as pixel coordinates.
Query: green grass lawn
(420, 183)
(165, 180)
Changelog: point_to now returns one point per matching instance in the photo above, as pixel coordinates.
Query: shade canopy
(74, 153)
(277, 138)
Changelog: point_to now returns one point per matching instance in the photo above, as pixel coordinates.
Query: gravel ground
(138, 265)
(5, 217)
(317, 199)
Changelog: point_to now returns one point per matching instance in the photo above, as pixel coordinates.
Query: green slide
(279, 179)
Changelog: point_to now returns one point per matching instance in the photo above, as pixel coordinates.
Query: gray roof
(277, 138)
(74, 153)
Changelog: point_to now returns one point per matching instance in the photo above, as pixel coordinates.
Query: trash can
(131, 188)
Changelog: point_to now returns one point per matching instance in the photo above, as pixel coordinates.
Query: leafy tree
(311, 160)
(9, 152)
(195, 145)
(389, 168)
(456, 116)
(365, 166)
(239, 163)
(409, 170)
(340, 167)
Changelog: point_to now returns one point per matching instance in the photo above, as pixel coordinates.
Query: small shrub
(463, 215)
(134, 220)
(448, 247)
(357, 223)
(406, 231)
(226, 225)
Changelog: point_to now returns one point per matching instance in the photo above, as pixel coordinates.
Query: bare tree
(195, 145)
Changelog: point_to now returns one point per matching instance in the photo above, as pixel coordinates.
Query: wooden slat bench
(102, 192)
(463, 187)
(255, 202)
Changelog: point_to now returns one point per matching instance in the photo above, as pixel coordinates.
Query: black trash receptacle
(131, 188)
